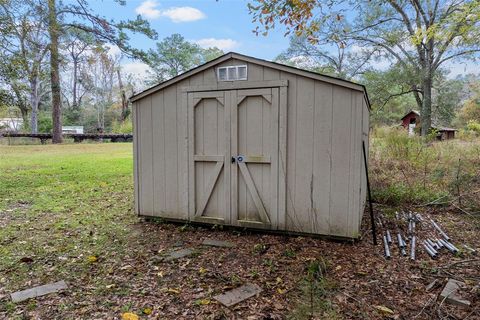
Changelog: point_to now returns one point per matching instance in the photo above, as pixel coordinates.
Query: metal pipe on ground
(389, 237)
(429, 251)
(436, 226)
(449, 246)
(386, 248)
(401, 243)
(453, 247)
(432, 244)
(439, 244)
(430, 247)
(412, 248)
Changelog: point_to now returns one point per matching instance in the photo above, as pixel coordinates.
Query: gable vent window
(232, 73)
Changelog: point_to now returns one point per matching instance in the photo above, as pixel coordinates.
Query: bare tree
(24, 45)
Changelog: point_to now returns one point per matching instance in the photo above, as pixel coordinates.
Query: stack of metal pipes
(432, 244)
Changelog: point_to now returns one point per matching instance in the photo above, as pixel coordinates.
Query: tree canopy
(420, 36)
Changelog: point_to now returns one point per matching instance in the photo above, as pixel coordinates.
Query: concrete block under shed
(23, 295)
(449, 293)
(237, 295)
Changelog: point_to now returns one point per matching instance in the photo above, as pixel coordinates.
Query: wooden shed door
(254, 146)
(234, 157)
(209, 156)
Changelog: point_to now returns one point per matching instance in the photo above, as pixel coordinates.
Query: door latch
(233, 159)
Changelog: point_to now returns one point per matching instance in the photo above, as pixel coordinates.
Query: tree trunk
(427, 105)
(125, 112)
(53, 30)
(74, 93)
(34, 101)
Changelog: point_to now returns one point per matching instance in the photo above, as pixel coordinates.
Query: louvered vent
(232, 73)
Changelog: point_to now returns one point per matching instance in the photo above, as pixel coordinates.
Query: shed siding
(325, 189)
(365, 133)
(159, 154)
(144, 110)
(322, 156)
(303, 179)
(341, 157)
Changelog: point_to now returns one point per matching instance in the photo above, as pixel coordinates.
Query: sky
(225, 24)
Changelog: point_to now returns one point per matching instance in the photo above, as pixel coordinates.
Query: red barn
(412, 120)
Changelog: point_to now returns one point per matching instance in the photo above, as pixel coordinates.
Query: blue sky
(223, 23)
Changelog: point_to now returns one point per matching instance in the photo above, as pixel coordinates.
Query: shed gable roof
(265, 63)
(410, 112)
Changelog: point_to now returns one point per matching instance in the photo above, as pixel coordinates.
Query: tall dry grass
(408, 170)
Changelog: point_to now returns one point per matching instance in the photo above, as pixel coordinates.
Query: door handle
(233, 159)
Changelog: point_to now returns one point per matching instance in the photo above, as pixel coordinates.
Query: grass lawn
(61, 205)
(66, 213)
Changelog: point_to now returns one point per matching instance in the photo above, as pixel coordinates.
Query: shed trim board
(279, 151)
(222, 86)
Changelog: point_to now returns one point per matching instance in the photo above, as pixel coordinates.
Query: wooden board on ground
(38, 291)
(237, 295)
(178, 254)
(217, 243)
(450, 293)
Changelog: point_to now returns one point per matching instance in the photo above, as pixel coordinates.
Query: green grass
(61, 203)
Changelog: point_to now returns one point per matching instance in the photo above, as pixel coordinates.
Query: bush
(45, 122)
(122, 127)
(474, 126)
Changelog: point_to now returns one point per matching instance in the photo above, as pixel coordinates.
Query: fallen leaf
(281, 291)
(126, 267)
(109, 286)
(384, 309)
(203, 302)
(173, 290)
(92, 259)
(147, 311)
(129, 316)
(202, 270)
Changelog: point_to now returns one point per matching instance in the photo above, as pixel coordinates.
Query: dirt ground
(359, 280)
(59, 222)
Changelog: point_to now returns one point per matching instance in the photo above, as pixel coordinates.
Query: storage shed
(246, 142)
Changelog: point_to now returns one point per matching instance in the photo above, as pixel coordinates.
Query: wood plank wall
(325, 128)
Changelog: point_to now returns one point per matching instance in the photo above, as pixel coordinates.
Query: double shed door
(234, 157)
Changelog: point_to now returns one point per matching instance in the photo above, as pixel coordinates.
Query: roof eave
(274, 65)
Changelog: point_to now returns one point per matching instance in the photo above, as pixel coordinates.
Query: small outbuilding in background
(412, 122)
(246, 142)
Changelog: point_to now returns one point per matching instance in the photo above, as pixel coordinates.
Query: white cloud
(139, 69)
(183, 14)
(148, 9)
(113, 50)
(222, 44)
